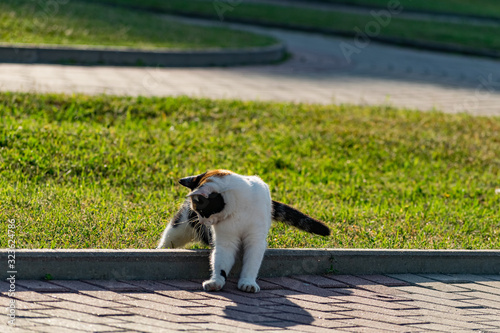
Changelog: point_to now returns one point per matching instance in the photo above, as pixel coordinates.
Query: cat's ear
(191, 182)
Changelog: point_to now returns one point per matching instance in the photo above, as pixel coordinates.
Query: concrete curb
(124, 56)
(193, 264)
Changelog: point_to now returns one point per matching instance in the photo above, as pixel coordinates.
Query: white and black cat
(230, 211)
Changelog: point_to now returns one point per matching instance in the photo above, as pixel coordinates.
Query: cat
(230, 211)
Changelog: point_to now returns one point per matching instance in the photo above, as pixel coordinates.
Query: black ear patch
(192, 182)
(208, 206)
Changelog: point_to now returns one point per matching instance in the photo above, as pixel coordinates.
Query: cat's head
(206, 195)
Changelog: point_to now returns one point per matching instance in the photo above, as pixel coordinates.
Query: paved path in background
(319, 72)
(334, 303)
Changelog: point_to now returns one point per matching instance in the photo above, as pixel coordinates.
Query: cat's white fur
(243, 223)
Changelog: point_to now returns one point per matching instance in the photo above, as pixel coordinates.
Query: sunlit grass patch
(101, 172)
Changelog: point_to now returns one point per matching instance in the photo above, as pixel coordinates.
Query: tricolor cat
(229, 212)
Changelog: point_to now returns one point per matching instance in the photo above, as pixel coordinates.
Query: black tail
(291, 216)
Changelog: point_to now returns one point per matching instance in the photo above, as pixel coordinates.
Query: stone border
(124, 56)
(193, 264)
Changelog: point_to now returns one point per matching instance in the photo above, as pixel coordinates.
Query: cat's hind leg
(222, 261)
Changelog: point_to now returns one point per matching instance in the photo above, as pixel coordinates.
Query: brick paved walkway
(375, 303)
(318, 72)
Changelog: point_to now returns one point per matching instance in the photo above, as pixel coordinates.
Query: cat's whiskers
(188, 221)
(199, 229)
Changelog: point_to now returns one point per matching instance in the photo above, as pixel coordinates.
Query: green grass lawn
(487, 8)
(42, 22)
(101, 172)
(471, 36)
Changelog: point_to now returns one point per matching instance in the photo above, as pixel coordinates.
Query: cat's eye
(200, 201)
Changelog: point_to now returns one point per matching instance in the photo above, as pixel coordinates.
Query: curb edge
(124, 56)
(194, 264)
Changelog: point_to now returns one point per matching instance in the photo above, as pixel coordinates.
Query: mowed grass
(101, 172)
(445, 33)
(80, 23)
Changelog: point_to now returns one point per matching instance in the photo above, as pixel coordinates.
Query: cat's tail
(291, 216)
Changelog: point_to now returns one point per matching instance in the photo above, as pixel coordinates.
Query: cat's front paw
(249, 286)
(212, 285)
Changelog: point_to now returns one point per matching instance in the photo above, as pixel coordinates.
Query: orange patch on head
(214, 173)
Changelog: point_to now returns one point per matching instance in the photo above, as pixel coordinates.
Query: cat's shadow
(269, 308)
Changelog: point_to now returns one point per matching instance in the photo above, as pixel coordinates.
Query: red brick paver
(372, 303)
